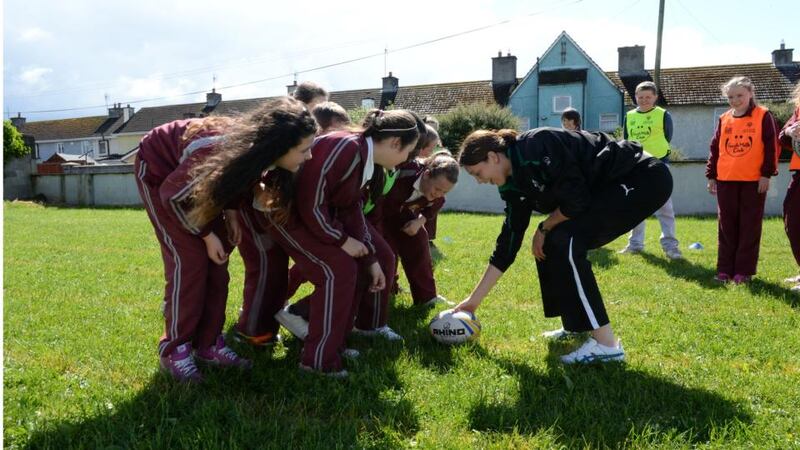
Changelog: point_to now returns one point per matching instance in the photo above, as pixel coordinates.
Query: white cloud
(35, 76)
(34, 34)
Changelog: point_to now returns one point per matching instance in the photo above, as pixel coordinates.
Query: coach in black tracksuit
(593, 188)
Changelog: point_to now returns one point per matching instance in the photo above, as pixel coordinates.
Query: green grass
(709, 366)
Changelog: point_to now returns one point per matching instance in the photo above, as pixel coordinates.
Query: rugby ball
(450, 327)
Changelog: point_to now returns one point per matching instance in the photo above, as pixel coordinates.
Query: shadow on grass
(272, 406)
(685, 269)
(603, 258)
(602, 406)
(411, 321)
(705, 277)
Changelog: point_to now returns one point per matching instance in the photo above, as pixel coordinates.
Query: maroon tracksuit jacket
(196, 288)
(413, 251)
(326, 211)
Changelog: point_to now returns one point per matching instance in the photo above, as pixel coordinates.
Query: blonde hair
(740, 81)
(796, 95)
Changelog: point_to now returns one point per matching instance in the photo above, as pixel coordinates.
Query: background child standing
(790, 136)
(743, 157)
(651, 126)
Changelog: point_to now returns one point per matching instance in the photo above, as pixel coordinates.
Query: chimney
(783, 56)
(631, 60)
(389, 90)
(212, 99)
(290, 88)
(18, 121)
(115, 111)
(504, 77)
(127, 113)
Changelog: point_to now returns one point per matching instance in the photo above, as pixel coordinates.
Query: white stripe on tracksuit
(258, 296)
(327, 316)
(172, 330)
(334, 233)
(581, 293)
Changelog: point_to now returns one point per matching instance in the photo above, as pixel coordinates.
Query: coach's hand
(378, 279)
(354, 248)
(537, 247)
(468, 304)
(214, 248)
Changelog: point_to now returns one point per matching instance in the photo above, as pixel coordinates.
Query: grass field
(709, 366)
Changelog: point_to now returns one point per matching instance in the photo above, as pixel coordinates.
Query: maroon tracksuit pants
(741, 211)
(415, 255)
(196, 288)
(791, 215)
(331, 306)
(371, 307)
(265, 277)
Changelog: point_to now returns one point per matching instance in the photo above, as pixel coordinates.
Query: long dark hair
(381, 125)
(250, 145)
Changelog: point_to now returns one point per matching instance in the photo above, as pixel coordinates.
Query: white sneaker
(793, 280)
(292, 322)
(628, 250)
(383, 331)
(340, 374)
(558, 334)
(674, 254)
(351, 353)
(591, 352)
(438, 300)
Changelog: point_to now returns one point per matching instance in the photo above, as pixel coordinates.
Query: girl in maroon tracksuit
(187, 172)
(417, 196)
(327, 235)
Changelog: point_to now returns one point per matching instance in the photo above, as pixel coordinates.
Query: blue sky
(78, 54)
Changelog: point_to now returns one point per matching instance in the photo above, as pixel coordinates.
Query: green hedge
(461, 121)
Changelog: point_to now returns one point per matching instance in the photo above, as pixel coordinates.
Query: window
(525, 123)
(87, 147)
(367, 103)
(561, 102)
(102, 147)
(609, 121)
(60, 147)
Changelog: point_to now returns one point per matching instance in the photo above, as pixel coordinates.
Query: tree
(13, 144)
(463, 120)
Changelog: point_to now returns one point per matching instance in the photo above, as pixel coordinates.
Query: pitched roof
(424, 99)
(63, 129)
(701, 85)
(66, 157)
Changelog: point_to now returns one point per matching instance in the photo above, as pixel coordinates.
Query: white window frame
(368, 103)
(606, 117)
(556, 98)
(87, 148)
(102, 147)
(524, 124)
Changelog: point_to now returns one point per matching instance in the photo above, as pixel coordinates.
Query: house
(93, 136)
(565, 76)
(55, 163)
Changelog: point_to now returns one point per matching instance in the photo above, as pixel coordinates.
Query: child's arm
(668, 126)
(785, 136)
(624, 126)
(769, 135)
(713, 153)
(175, 193)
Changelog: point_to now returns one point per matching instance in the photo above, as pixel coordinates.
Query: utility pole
(658, 45)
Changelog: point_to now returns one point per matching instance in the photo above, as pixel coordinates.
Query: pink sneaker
(221, 355)
(180, 364)
(741, 279)
(722, 277)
